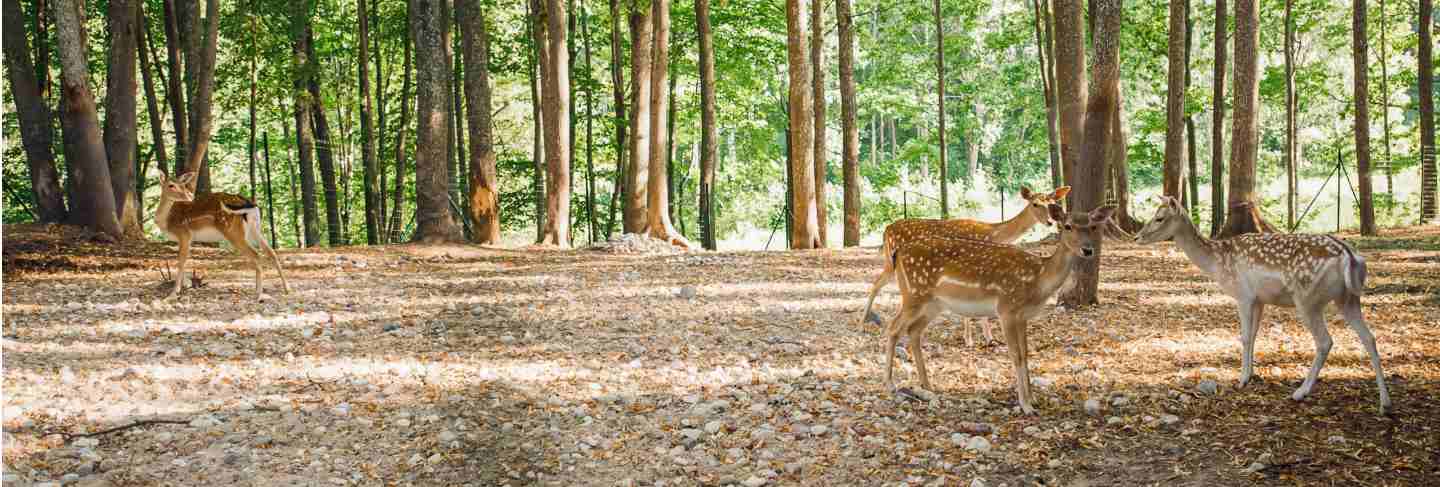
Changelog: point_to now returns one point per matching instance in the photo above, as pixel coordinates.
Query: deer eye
(1068, 227)
(1159, 218)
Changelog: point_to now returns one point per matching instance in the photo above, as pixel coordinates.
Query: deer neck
(1197, 248)
(1010, 230)
(1055, 271)
(162, 213)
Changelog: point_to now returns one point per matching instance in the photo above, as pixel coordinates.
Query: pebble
(1119, 401)
(1208, 387)
(1092, 407)
(714, 427)
(687, 292)
(691, 434)
(1169, 419)
(87, 442)
(1113, 420)
(818, 430)
(1334, 439)
(446, 437)
(754, 481)
(977, 482)
(978, 444)
(1255, 467)
(959, 439)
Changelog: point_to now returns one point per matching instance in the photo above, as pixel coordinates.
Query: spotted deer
(212, 217)
(1306, 272)
(900, 232)
(986, 279)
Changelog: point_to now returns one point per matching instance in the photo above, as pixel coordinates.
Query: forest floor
(465, 365)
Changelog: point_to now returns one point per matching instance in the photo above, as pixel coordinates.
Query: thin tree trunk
(1290, 122)
(707, 125)
(1426, 60)
(617, 85)
(269, 193)
(201, 118)
(817, 81)
(556, 102)
(658, 200)
(35, 117)
(93, 200)
(484, 187)
(1070, 89)
(1190, 143)
(304, 135)
(804, 234)
(670, 153)
(1385, 109)
(173, 90)
(1244, 212)
(589, 131)
(367, 132)
(1217, 125)
(850, 131)
(637, 171)
(381, 128)
(1360, 43)
(536, 65)
(397, 197)
(940, 112)
(1100, 116)
(1175, 103)
(1047, 86)
(254, 53)
(120, 131)
(433, 221)
(325, 153)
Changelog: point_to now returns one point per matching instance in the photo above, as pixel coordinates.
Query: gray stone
(1208, 387)
(1256, 467)
(714, 427)
(754, 481)
(1092, 407)
(978, 444)
(1169, 419)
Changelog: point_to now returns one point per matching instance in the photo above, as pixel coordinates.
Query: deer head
(179, 189)
(1080, 233)
(1040, 202)
(1167, 220)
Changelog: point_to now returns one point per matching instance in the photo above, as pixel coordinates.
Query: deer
(900, 232)
(986, 279)
(1306, 272)
(214, 217)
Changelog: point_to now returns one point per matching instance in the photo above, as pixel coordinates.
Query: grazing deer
(986, 279)
(1306, 272)
(212, 217)
(911, 229)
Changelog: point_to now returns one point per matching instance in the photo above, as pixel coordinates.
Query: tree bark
(324, 152)
(1426, 60)
(1244, 211)
(254, 92)
(1385, 109)
(397, 196)
(174, 91)
(1362, 118)
(556, 103)
(1290, 122)
(121, 137)
(707, 125)
(1175, 103)
(1070, 88)
(657, 201)
(484, 194)
(940, 112)
(637, 172)
(535, 63)
(850, 132)
(92, 201)
(1194, 174)
(201, 116)
(804, 233)
(594, 228)
(433, 222)
(1047, 86)
(817, 81)
(269, 194)
(35, 117)
(367, 131)
(617, 85)
(304, 136)
(1217, 125)
(1100, 116)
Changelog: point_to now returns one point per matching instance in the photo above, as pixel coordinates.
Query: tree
(34, 117)
(1175, 103)
(940, 111)
(1425, 58)
(325, 152)
(1290, 122)
(657, 201)
(484, 187)
(556, 103)
(92, 202)
(850, 133)
(617, 85)
(367, 132)
(433, 223)
(304, 69)
(1244, 211)
(1100, 114)
(120, 131)
(1190, 143)
(1046, 55)
(398, 195)
(174, 93)
(637, 171)
(817, 81)
(200, 67)
(1070, 88)
(804, 233)
(707, 125)
(1217, 125)
(1360, 44)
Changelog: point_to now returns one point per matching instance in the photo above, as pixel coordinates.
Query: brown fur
(183, 216)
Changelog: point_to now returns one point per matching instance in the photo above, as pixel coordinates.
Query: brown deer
(1306, 272)
(986, 279)
(213, 217)
(911, 229)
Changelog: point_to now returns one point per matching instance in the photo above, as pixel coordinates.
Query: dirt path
(473, 366)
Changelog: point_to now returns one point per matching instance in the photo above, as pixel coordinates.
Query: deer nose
(1087, 251)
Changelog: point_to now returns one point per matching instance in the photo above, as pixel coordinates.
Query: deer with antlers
(1306, 272)
(986, 279)
(213, 217)
(900, 232)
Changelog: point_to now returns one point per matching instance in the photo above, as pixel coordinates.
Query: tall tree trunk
(637, 172)
(670, 152)
(433, 222)
(556, 103)
(1070, 90)
(174, 91)
(397, 196)
(537, 63)
(1244, 211)
(92, 203)
(594, 228)
(617, 85)
(367, 132)
(1361, 46)
(304, 135)
(1190, 143)
(1427, 115)
(804, 234)
(1175, 103)
(201, 118)
(1100, 116)
(254, 54)
(121, 136)
(269, 194)
(817, 81)
(34, 117)
(657, 198)
(940, 112)
(381, 129)
(152, 103)
(325, 152)
(1290, 146)
(1047, 86)
(1385, 109)
(850, 131)
(484, 194)
(1217, 125)
(707, 125)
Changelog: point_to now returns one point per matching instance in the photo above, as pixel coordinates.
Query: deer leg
(1314, 317)
(1350, 307)
(184, 243)
(892, 335)
(1015, 341)
(284, 286)
(989, 330)
(880, 282)
(969, 340)
(1250, 314)
(917, 340)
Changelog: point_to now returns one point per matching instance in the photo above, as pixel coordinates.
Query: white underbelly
(207, 235)
(967, 307)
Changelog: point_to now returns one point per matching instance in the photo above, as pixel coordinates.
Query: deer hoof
(1300, 393)
(1027, 409)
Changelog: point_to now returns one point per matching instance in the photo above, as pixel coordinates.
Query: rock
(342, 409)
(1256, 467)
(691, 434)
(447, 436)
(1169, 419)
(1092, 407)
(977, 482)
(1119, 401)
(1053, 463)
(1335, 439)
(978, 444)
(818, 430)
(1208, 387)
(87, 442)
(1266, 458)
(1114, 420)
(975, 428)
(389, 328)
(714, 427)
(754, 481)
(1042, 382)
(507, 339)
(959, 439)
(204, 421)
(687, 292)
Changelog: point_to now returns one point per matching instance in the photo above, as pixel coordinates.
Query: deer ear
(1057, 213)
(1060, 192)
(1025, 192)
(164, 179)
(187, 178)
(1101, 214)
(1172, 202)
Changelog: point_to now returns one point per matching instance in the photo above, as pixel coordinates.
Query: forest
(629, 242)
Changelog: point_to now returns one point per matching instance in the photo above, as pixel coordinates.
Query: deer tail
(1353, 266)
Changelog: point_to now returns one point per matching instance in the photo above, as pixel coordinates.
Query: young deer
(213, 217)
(911, 229)
(986, 279)
(1306, 272)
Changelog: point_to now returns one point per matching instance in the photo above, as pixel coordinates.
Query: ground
(466, 365)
